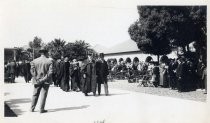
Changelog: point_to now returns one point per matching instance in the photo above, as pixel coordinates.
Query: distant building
(10, 54)
(128, 49)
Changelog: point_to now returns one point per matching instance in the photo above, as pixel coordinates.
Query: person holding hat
(102, 72)
(41, 70)
(88, 71)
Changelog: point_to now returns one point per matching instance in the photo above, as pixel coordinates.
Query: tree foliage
(74, 50)
(36, 43)
(150, 32)
(35, 46)
(187, 24)
(56, 48)
(148, 59)
(78, 50)
(164, 59)
(161, 28)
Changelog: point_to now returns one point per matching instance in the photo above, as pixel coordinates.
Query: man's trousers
(43, 89)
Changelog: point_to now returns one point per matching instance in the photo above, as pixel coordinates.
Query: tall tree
(150, 32)
(161, 28)
(198, 15)
(35, 45)
(188, 24)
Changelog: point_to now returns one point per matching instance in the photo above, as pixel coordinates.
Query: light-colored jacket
(41, 70)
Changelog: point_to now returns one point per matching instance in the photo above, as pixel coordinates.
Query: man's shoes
(43, 111)
(31, 110)
(94, 94)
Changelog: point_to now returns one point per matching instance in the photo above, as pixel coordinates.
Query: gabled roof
(100, 49)
(126, 46)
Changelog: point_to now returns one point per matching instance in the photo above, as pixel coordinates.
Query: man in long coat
(75, 75)
(200, 69)
(180, 73)
(102, 72)
(88, 71)
(172, 75)
(65, 74)
(58, 72)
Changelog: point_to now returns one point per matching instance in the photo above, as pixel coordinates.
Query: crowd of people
(85, 76)
(13, 69)
(69, 75)
(183, 73)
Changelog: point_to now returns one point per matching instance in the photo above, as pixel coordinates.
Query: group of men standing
(94, 73)
(14, 69)
(190, 77)
(87, 78)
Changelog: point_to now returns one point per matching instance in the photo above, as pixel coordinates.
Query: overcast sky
(103, 22)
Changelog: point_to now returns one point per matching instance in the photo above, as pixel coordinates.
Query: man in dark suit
(12, 70)
(41, 70)
(58, 72)
(65, 74)
(75, 75)
(180, 73)
(102, 72)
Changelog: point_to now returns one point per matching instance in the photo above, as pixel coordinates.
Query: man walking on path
(41, 70)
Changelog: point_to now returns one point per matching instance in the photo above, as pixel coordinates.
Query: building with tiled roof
(128, 49)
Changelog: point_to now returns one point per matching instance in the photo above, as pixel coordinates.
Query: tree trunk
(188, 47)
(158, 58)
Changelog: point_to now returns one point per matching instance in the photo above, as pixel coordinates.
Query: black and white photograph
(104, 61)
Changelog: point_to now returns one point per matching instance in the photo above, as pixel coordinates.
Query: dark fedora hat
(101, 55)
(43, 50)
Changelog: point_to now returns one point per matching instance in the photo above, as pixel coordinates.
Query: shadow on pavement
(8, 112)
(68, 108)
(115, 94)
(13, 104)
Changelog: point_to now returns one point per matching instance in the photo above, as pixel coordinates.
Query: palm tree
(56, 46)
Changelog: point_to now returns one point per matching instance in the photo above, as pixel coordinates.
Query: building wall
(141, 56)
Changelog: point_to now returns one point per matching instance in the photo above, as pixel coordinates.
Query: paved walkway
(120, 107)
(197, 95)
